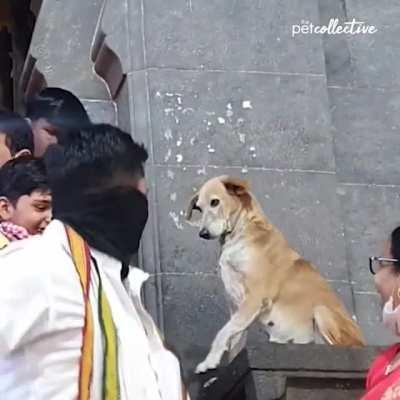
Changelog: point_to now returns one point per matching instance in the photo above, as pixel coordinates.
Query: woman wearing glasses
(383, 380)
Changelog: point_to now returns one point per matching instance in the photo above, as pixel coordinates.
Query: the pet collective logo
(352, 27)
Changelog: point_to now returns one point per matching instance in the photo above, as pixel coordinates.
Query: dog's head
(218, 202)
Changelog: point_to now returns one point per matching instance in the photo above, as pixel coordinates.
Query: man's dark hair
(58, 107)
(97, 156)
(17, 131)
(93, 179)
(22, 176)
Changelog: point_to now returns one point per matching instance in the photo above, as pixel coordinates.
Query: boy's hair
(17, 131)
(59, 107)
(22, 176)
(96, 157)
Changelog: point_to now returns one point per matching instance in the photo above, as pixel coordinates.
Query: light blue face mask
(391, 317)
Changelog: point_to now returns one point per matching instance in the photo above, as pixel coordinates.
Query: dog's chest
(232, 265)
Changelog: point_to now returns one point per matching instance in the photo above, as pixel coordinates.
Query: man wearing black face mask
(69, 327)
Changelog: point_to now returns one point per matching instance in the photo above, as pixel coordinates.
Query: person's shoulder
(38, 252)
(18, 248)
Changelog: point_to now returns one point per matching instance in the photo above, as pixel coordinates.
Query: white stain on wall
(175, 219)
(168, 155)
(246, 104)
(168, 134)
(201, 171)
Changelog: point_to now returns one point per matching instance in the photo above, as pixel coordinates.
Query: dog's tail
(337, 327)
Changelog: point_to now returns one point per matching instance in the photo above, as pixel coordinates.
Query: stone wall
(215, 87)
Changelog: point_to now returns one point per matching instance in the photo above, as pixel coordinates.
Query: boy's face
(5, 154)
(33, 212)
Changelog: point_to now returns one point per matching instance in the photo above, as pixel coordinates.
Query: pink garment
(13, 232)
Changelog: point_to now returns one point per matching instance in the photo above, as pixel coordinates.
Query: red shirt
(381, 385)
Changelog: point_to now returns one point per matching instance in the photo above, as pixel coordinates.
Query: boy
(16, 137)
(25, 200)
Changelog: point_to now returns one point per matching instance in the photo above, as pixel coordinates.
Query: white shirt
(41, 320)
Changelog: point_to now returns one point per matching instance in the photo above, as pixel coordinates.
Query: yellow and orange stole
(82, 261)
(3, 241)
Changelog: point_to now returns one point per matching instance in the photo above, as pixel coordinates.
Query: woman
(53, 113)
(383, 380)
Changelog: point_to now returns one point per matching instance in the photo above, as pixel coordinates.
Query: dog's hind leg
(247, 312)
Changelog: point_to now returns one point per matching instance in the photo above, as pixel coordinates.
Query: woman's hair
(395, 246)
(22, 176)
(17, 131)
(59, 107)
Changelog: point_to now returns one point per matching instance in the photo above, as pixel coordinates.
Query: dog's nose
(204, 234)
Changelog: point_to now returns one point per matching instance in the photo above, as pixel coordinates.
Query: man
(84, 333)
(16, 137)
(53, 112)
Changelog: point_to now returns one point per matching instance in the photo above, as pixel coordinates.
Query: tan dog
(264, 277)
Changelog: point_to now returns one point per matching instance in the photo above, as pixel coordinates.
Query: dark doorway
(17, 22)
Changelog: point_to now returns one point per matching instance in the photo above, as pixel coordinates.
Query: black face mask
(111, 221)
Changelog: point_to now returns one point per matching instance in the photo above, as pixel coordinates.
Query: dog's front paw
(206, 365)
(202, 367)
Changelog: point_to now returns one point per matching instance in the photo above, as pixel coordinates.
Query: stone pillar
(60, 55)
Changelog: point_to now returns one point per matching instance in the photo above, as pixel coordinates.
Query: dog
(265, 279)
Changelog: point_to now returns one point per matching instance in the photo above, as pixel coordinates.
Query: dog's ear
(237, 187)
(191, 207)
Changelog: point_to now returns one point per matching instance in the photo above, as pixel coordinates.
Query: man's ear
(6, 209)
(237, 187)
(191, 207)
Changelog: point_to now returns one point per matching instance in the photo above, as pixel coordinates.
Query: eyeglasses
(381, 261)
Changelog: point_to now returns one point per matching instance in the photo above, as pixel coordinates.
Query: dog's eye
(214, 202)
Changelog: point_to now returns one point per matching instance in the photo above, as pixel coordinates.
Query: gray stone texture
(196, 309)
(61, 46)
(367, 139)
(363, 60)
(231, 35)
(236, 119)
(101, 111)
(222, 87)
